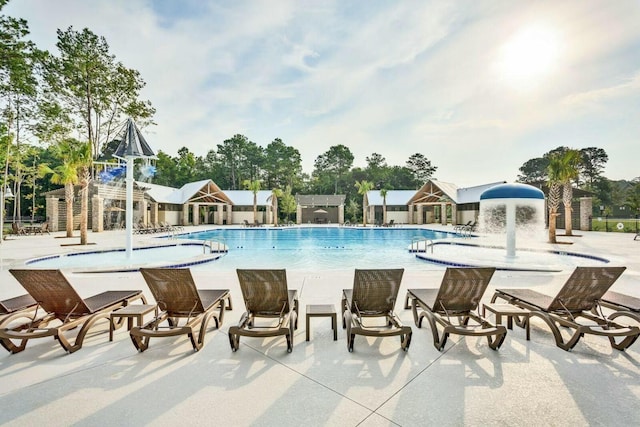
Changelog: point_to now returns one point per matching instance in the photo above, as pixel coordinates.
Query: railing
(215, 246)
(416, 244)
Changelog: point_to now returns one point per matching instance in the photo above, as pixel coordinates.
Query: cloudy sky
(478, 87)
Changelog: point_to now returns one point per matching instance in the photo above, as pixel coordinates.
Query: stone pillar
(372, 215)
(269, 219)
(410, 219)
(196, 214)
(154, 213)
(341, 214)
(229, 214)
(419, 213)
(586, 207)
(454, 214)
(443, 213)
(142, 212)
(97, 214)
(52, 213)
(298, 214)
(185, 214)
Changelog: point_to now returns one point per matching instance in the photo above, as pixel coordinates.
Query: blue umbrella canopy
(132, 143)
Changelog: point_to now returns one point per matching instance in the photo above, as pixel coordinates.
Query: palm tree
(66, 174)
(254, 187)
(364, 187)
(554, 172)
(383, 193)
(275, 193)
(569, 171)
(84, 161)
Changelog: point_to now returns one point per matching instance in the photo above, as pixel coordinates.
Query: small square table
(133, 311)
(323, 310)
(508, 310)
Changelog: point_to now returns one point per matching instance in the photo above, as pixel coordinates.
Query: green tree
(334, 164)
(383, 193)
(534, 170)
(19, 62)
(567, 174)
(241, 160)
(352, 210)
(555, 177)
(94, 90)
(592, 164)
(66, 174)
(254, 187)
(288, 203)
(282, 164)
(421, 167)
(363, 188)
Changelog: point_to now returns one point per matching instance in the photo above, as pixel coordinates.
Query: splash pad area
(462, 254)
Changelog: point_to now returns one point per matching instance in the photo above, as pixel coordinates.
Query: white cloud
(389, 77)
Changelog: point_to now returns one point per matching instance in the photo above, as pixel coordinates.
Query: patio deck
(321, 383)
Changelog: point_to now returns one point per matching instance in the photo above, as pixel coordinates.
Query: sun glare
(529, 55)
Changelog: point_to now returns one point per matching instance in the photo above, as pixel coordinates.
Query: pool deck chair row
(178, 300)
(579, 300)
(451, 307)
(57, 303)
(374, 295)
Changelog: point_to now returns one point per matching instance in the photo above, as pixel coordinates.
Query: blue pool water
(317, 248)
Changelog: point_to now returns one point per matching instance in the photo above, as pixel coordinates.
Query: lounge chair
(579, 298)
(15, 308)
(18, 229)
(63, 306)
(458, 296)
(458, 228)
(623, 305)
(266, 296)
(177, 298)
(374, 295)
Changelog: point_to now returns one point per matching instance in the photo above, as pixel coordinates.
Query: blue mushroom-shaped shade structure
(512, 191)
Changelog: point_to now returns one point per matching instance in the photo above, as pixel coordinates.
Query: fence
(617, 225)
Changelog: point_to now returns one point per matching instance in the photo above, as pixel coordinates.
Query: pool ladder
(415, 244)
(215, 246)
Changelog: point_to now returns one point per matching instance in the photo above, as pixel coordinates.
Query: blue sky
(479, 87)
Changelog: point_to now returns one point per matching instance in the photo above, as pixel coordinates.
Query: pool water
(317, 248)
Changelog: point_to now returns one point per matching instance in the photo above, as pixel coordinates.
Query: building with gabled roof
(435, 202)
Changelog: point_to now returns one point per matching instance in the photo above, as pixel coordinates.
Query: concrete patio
(320, 382)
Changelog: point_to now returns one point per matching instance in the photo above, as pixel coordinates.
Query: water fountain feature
(510, 213)
(512, 210)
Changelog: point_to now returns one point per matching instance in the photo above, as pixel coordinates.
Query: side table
(133, 311)
(323, 310)
(509, 311)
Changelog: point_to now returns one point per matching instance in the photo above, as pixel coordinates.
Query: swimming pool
(317, 248)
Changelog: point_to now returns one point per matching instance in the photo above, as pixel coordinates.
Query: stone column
(298, 214)
(443, 213)
(229, 214)
(410, 219)
(142, 212)
(586, 207)
(454, 214)
(419, 213)
(341, 214)
(185, 214)
(196, 214)
(52, 213)
(154, 213)
(97, 214)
